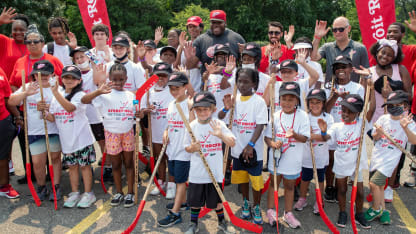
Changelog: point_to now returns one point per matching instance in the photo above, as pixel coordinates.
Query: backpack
(50, 48)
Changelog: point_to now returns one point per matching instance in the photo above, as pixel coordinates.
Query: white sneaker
(155, 190)
(171, 191)
(72, 200)
(411, 180)
(87, 200)
(388, 194)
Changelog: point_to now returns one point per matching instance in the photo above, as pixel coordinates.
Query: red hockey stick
(47, 144)
(234, 219)
(28, 166)
(357, 165)
(146, 193)
(102, 171)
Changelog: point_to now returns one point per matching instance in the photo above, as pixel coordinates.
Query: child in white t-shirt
(315, 104)
(250, 117)
(178, 158)
(345, 136)
(210, 133)
(386, 156)
(76, 137)
(116, 105)
(159, 99)
(292, 130)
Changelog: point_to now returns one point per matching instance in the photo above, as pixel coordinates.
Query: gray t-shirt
(205, 45)
(355, 50)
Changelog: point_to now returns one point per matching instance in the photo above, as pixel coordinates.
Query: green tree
(179, 19)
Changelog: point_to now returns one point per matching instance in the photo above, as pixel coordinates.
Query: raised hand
(55, 88)
(228, 102)
(275, 50)
(289, 36)
(183, 38)
(189, 50)
(105, 88)
(320, 29)
(216, 128)
(72, 42)
(32, 88)
(158, 34)
(301, 55)
(362, 71)
(405, 121)
(140, 50)
(322, 125)
(7, 15)
(181, 69)
(386, 90)
(230, 64)
(107, 56)
(212, 67)
(412, 22)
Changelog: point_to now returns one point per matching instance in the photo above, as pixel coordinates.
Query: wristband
(274, 62)
(224, 110)
(251, 144)
(18, 118)
(141, 60)
(316, 37)
(323, 133)
(226, 73)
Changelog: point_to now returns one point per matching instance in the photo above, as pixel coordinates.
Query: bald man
(342, 45)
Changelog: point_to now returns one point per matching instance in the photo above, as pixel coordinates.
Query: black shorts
(200, 195)
(8, 132)
(98, 131)
(144, 122)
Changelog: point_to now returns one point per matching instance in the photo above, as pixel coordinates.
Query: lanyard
(293, 121)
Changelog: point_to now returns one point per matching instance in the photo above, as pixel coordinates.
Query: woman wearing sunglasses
(342, 45)
(34, 42)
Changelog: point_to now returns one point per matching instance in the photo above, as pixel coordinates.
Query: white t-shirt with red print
(291, 151)
(160, 100)
(117, 109)
(320, 148)
(136, 76)
(346, 139)
(35, 124)
(74, 130)
(177, 132)
(303, 86)
(211, 147)
(247, 115)
(352, 88)
(213, 86)
(88, 86)
(385, 155)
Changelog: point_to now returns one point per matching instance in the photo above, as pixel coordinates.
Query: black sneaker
(116, 200)
(360, 219)
(108, 175)
(329, 195)
(227, 179)
(58, 191)
(100, 161)
(22, 180)
(184, 206)
(42, 192)
(170, 219)
(342, 219)
(129, 200)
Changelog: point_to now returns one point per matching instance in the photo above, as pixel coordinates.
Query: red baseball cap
(218, 15)
(194, 20)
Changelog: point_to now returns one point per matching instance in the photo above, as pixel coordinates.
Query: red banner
(94, 12)
(375, 16)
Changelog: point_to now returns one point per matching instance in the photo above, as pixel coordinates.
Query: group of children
(95, 103)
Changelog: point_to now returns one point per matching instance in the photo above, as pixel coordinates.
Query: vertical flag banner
(374, 16)
(94, 12)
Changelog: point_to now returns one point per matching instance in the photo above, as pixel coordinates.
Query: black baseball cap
(317, 94)
(43, 66)
(342, 60)
(252, 49)
(353, 102)
(396, 97)
(149, 43)
(290, 87)
(289, 64)
(177, 79)
(394, 84)
(221, 48)
(71, 70)
(78, 49)
(162, 68)
(205, 99)
(166, 48)
(120, 40)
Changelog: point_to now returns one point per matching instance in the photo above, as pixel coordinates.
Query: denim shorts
(179, 170)
(37, 144)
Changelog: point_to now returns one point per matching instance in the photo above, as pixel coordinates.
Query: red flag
(94, 12)
(374, 16)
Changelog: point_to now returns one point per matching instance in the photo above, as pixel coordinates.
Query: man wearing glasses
(342, 45)
(279, 52)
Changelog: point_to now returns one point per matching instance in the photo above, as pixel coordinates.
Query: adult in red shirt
(12, 48)
(274, 52)
(7, 130)
(34, 42)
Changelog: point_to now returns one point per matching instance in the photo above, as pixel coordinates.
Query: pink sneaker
(290, 219)
(9, 192)
(301, 203)
(316, 208)
(271, 216)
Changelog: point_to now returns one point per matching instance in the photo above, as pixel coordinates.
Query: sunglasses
(277, 33)
(27, 42)
(335, 30)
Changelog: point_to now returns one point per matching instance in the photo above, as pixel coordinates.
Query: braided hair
(117, 66)
(58, 22)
